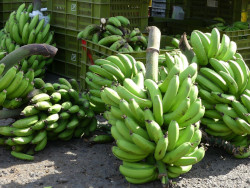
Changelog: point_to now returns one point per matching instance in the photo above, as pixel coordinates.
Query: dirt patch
(77, 164)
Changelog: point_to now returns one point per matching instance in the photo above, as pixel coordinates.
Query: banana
(107, 41)
(137, 111)
(129, 147)
(7, 130)
(218, 127)
(43, 105)
(198, 154)
(231, 123)
(62, 124)
(139, 80)
(88, 31)
(22, 156)
(161, 148)
(19, 11)
(183, 93)
(40, 97)
(20, 89)
(163, 73)
(32, 36)
(179, 169)
(170, 94)
(137, 173)
(127, 64)
(23, 139)
(133, 61)
(232, 85)
(214, 77)
(130, 85)
(190, 70)
(125, 156)
(102, 72)
(123, 130)
(29, 111)
(205, 40)
(223, 98)
(205, 95)
(16, 35)
(208, 84)
(152, 88)
(239, 76)
(243, 125)
(23, 132)
(195, 119)
(177, 113)
(196, 139)
(15, 83)
(185, 135)
(41, 145)
(154, 129)
(140, 67)
(143, 143)
(124, 21)
(246, 101)
(214, 44)
(7, 78)
(127, 95)
(114, 21)
(224, 108)
(177, 153)
(115, 60)
(135, 128)
(214, 114)
(230, 51)
(192, 111)
(199, 48)
(223, 47)
(3, 95)
(113, 30)
(25, 122)
(158, 110)
(25, 33)
(240, 109)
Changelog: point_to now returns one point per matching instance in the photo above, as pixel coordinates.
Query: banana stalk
(153, 47)
(238, 152)
(32, 49)
(186, 48)
(4, 114)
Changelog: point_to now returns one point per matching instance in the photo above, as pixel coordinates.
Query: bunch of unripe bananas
(15, 86)
(20, 30)
(158, 122)
(55, 111)
(107, 72)
(115, 34)
(224, 88)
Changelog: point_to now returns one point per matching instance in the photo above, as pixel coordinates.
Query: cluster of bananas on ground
(224, 87)
(157, 122)
(55, 111)
(114, 33)
(20, 30)
(236, 26)
(15, 86)
(110, 71)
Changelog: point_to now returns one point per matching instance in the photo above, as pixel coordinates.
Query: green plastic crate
(229, 10)
(67, 60)
(92, 51)
(77, 14)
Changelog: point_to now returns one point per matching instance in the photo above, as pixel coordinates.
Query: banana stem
(4, 114)
(32, 49)
(163, 175)
(153, 48)
(186, 48)
(37, 4)
(219, 142)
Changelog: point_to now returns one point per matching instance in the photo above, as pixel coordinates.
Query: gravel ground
(76, 164)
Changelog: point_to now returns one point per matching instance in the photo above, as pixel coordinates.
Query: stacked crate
(68, 17)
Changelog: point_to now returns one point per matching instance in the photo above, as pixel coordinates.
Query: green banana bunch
(115, 34)
(21, 30)
(55, 111)
(109, 72)
(156, 120)
(223, 82)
